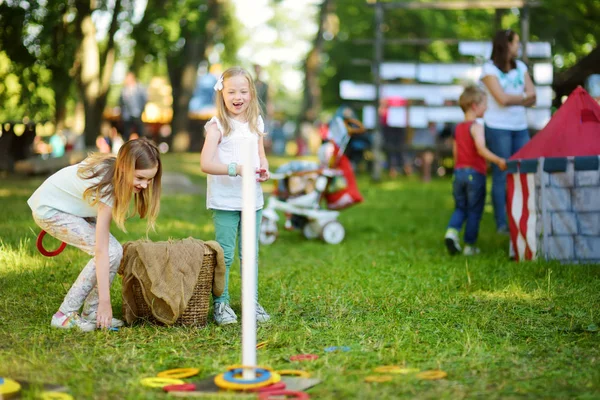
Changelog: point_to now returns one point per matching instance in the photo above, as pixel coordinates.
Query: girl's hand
(263, 174)
(104, 315)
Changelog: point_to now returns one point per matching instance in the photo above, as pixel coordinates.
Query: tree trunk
(93, 70)
(311, 102)
(183, 69)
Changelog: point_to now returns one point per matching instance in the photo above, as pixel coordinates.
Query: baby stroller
(301, 187)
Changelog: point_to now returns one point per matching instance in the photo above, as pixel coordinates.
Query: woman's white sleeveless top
(224, 192)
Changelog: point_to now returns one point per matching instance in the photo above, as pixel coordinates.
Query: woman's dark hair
(500, 49)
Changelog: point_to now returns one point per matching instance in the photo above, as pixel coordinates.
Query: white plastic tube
(248, 262)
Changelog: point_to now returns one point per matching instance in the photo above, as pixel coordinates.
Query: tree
(93, 66)
(182, 35)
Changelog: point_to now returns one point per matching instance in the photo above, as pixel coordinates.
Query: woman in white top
(237, 126)
(510, 89)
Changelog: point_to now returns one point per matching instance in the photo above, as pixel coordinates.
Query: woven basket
(196, 312)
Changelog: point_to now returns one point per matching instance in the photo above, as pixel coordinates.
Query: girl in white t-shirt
(238, 124)
(510, 89)
(77, 204)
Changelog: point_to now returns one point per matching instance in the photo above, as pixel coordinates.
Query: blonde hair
(253, 110)
(472, 94)
(117, 174)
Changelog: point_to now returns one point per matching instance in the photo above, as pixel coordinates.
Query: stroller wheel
(268, 231)
(310, 231)
(333, 232)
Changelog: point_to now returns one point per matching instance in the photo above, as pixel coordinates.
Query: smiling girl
(77, 204)
(238, 124)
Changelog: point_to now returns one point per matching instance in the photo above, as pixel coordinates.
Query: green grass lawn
(390, 292)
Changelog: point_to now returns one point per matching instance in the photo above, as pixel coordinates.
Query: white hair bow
(219, 84)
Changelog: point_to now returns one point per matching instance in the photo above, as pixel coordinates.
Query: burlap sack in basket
(163, 281)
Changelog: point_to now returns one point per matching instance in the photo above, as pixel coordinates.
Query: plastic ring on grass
(55, 396)
(275, 394)
(395, 369)
(304, 357)
(178, 373)
(270, 388)
(40, 246)
(8, 387)
(239, 366)
(262, 375)
(184, 387)
(155, 382)
(331, 349)
(223, 384)
(432, 375)
(294, 372)
(378, 378)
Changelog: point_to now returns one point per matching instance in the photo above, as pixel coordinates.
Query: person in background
(468, 188)
(132, 102)
(510, 89)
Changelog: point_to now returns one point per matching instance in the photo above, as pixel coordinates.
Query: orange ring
(432, 375)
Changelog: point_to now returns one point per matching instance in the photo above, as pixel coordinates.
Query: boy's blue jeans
(228, 230)
(468, 190)
(503, 143)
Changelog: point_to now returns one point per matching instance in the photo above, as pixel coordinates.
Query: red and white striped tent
(553, 187)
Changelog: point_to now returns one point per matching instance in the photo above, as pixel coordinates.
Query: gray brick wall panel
(587, 247)
(589, 223)
(564, 223)
(586, 199)
(563, 179)
(560, 247)
(558, 199)
(587, 178)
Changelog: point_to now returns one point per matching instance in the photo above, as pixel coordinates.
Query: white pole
(248, 262)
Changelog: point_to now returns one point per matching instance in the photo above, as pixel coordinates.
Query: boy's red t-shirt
(466, 152)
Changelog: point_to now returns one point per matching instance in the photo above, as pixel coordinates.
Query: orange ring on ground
(432, 375)
(40, 246)
(294, 372)
(178, 373)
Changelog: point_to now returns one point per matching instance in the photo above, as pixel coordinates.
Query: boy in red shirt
(470, 168)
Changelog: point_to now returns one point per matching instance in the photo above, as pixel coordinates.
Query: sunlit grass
(389, 292)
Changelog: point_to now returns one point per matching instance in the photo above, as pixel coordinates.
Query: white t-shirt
(513, 82)
(224, 192)
(63, 191)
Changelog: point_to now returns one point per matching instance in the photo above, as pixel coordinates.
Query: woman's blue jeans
(503, 143)
(468, 190)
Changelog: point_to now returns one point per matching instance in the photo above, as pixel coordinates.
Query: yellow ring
(395, 369)
(378, 378)
(178, 373)
(55, 396)
(294, 372)
(223, 384)
(432, 375)
(238, 366)
(155, 382)
(9, 387)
